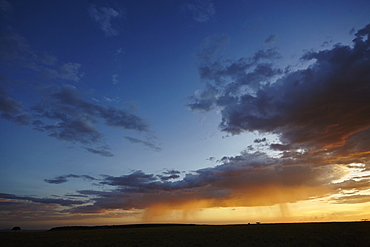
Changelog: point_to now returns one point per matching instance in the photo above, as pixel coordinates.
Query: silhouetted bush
(16, 228)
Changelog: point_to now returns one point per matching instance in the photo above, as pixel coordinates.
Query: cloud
(201, 10)
(5, 7)
(226, 80)
(29, 208)
(271, 39)
(352, 31)
(148, 143)
(259, 140)
(69, 71)
(67, 104)
(211, 46)
(61, 112)
(103, 151)
(62, 202)
(15, 49)
(352, 199)
(320, 106)
(250, 179)
(105, 17)
(354, 184)
(11, 109)
(64, 114)
(115, 79)
(64, 178)
(75, 117)
(7, 104)
(319, 114)
(170, 174)
(244, 71)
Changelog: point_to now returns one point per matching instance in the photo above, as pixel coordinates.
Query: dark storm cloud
(62, 202)
(227, 80)
(64, 178)
(146, 143)
(322, 105)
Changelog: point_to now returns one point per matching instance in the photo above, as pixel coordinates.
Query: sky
(183, 111)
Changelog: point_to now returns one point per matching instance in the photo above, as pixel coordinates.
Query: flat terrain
(306, 234)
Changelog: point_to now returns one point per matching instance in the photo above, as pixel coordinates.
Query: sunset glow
(192, 111)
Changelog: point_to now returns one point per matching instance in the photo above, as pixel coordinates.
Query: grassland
(307, 234)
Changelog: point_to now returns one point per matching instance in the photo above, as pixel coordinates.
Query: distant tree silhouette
(16, 228)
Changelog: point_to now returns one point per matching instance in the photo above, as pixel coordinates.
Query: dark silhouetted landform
(339, 234)
(69, 228)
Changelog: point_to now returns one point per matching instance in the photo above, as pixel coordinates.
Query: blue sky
(146, 108)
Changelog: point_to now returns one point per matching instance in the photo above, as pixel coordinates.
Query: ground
(306, 234)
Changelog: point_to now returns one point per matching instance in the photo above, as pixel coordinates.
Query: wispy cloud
(170, 174)
(211, 46)
(12, 110)
(115, 79)
(201, 10)
(352, 199)
(105, 17)
(146, 143)
(15, 49)
(61, 111)
(64, 178)
(271, 39)
(7, 104)
(64, 114)
(5, 7)
(68, 117)
(62, 202)
(103, 151)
